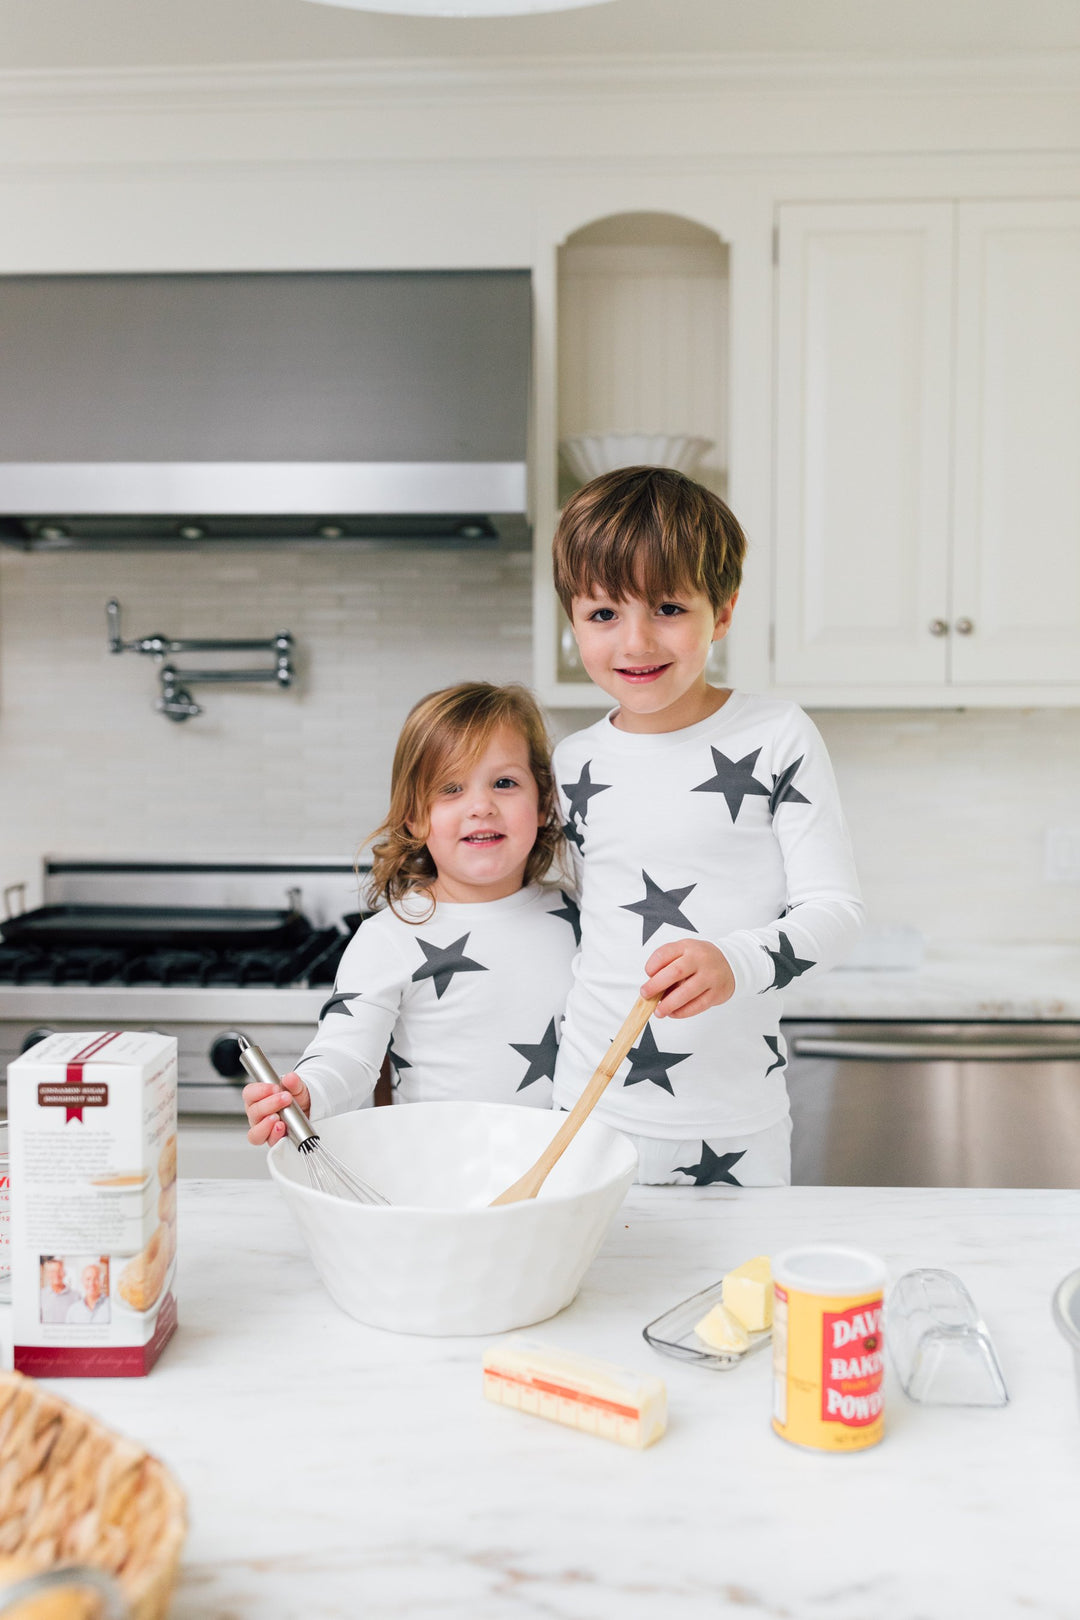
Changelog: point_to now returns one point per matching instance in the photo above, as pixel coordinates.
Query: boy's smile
(651, 658)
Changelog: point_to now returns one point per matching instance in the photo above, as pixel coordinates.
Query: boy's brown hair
(647, 532)
(443, 734)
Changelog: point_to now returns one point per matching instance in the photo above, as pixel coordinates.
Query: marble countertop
(336, 1471)
(960, 981)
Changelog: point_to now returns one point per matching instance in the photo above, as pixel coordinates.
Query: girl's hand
(264, 1103)
(689, 976)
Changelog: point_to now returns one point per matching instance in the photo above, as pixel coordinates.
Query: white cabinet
(864, 338)
(1016, 542)
(928, 478)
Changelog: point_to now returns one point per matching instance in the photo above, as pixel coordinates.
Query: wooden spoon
(531, 1182)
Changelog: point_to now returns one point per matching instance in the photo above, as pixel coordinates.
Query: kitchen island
(335, 1470)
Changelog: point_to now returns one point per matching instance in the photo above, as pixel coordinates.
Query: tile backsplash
(948, 809)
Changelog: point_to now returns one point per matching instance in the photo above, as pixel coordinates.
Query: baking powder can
(828, 1347)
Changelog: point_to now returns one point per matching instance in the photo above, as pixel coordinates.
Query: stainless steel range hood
(185, 410)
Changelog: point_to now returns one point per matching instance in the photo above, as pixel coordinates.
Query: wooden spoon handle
(531, 1182)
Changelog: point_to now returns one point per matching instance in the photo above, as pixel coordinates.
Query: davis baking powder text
(828, 1348)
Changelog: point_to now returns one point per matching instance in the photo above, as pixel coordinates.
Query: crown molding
(516, 79)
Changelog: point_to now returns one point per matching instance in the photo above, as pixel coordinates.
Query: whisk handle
(260, 1068)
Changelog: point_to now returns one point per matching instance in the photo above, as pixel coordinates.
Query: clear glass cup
(939, 1344)
(1066, 1307)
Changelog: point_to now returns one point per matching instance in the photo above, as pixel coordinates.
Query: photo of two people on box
(704, 856)
(75, 1289)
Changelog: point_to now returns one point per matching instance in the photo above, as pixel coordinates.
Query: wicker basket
(72, 1492)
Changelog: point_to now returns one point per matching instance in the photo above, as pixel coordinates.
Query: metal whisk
(325, 1170)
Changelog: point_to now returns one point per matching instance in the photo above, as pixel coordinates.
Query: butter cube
(722, 1331)
(748, 1293)
(597, 1397)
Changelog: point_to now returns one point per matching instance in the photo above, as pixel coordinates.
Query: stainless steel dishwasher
(934, 1104)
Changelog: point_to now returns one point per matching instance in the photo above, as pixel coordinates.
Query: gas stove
(183, 947)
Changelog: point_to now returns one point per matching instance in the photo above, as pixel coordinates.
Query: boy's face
(651, 659)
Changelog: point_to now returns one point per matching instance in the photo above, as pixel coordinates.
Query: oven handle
(822, 1046)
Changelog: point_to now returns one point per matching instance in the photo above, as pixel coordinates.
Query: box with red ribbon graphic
(92, 1128)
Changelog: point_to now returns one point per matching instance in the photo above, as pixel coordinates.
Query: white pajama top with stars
(730, 831)
(468, 999)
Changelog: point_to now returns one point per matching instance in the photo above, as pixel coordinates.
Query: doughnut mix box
(92, 1127)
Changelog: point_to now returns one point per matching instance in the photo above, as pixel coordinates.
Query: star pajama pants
(762, 1159)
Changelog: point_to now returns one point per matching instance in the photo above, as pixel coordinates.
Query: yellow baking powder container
(828, 1347)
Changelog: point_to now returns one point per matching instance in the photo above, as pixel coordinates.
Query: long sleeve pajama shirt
(730, 831)
(468, 999)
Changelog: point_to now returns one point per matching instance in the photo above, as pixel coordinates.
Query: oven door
(934, 1105)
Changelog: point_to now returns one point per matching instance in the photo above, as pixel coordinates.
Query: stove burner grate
(313, 962)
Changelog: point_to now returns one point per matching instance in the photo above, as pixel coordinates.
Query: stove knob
(34, 1036)
(225, 1055)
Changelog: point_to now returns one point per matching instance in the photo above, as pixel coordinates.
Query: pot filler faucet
(176, 701)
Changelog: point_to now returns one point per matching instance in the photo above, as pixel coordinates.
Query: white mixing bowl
(437, 1259)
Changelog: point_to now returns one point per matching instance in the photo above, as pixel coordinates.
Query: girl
(464, 974)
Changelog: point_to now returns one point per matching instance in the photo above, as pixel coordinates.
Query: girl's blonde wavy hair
(442, 735)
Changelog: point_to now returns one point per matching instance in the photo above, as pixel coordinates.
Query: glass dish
(1066, 1307)
(939, 1344)
(673, 1333)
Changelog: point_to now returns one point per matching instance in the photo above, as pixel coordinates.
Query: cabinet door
(864, 367)
(1016, 593)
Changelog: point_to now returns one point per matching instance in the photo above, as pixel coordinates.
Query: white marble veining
(961, 981)
(335, 1471)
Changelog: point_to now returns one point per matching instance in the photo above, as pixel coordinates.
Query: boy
(710, 847)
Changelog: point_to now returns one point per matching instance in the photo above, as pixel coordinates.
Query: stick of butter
(581, 1392)
(748, 1293)
(723, 1331)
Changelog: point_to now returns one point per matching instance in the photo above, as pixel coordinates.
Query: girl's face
(482, 823)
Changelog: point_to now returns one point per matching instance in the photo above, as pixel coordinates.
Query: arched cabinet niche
(642, 343)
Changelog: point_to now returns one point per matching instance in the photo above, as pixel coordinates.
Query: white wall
(360, 166)
(86, 766)
(947, 809)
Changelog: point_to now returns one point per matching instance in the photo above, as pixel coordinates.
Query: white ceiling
(44, 34)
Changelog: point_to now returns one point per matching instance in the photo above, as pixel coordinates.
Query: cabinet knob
(964, 627)
(938, 627)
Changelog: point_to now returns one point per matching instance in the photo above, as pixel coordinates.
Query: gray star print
(647, 1062)
(444, 961)
(786, 965)
(337, 1001)
(713, 1167)
(541, 1056)
(580, 792)
(571, 912)
(660, 907)
(783, 788)
(735, 779)
(773, 1043)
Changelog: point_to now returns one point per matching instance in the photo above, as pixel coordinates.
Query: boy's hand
(264, 1103)
(689, 975)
